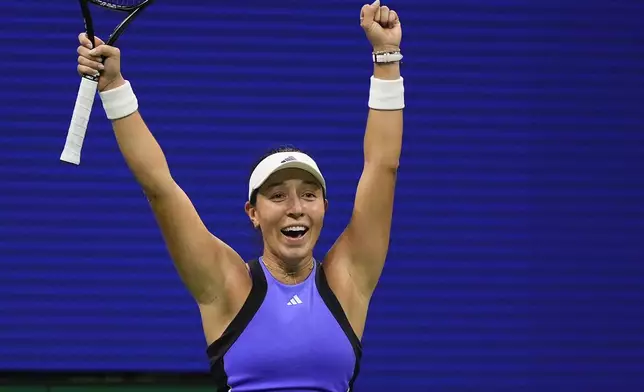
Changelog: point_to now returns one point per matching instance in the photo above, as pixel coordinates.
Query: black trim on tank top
(220, 347)
(334, 306)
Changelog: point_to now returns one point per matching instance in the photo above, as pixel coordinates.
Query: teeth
(295, 228)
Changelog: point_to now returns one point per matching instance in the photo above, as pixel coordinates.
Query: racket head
(120, 5)
(131, 7)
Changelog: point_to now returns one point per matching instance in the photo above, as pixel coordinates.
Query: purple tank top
(287, 338)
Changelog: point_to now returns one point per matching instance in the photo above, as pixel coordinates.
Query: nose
(295, 208)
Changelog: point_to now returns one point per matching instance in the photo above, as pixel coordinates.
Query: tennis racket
(89, 84)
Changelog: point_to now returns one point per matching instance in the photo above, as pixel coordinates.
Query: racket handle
(80, 118)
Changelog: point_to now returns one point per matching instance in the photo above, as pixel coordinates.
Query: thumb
(105, 51)
(368, 11)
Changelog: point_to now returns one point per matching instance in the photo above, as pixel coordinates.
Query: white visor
(283, 160)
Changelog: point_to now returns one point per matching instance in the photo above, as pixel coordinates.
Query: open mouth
(295, 232)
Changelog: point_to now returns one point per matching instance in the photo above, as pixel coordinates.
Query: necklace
(289, 275)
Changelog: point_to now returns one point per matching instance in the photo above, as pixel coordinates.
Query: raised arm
(206, 265)
(361, 250)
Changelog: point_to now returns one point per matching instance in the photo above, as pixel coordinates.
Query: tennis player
(284, 322)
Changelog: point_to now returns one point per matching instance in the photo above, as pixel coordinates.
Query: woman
(285, 321)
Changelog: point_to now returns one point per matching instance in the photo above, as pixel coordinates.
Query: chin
(294, 254)
(295, 249)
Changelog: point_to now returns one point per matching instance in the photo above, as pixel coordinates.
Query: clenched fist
(382, 27)
(103, 61)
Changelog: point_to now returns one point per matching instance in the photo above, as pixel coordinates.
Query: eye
(309, 195)
(277, 196)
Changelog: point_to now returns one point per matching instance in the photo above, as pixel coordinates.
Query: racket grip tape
(80, 119)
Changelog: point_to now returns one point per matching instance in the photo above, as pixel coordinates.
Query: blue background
(517, 252)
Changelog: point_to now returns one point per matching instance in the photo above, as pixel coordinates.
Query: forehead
(295, 175)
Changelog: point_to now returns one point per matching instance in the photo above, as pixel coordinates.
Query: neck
(288, 271)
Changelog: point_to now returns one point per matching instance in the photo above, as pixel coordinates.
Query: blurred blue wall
(517, 253)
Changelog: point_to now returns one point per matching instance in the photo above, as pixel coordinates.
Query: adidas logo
(288, 159)
(294, 301)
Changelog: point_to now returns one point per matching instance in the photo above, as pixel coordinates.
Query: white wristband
(387, 94)
(120, 102)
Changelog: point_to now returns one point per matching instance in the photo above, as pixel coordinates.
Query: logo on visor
(288, 159)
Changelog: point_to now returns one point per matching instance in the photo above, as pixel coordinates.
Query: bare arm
(202, 260)
(207, 266)
(364, 244)
(358, 257)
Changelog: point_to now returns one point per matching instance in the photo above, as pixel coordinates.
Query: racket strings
(118, 3)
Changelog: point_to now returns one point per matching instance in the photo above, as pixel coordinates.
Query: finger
(393, 19)
(83, 70)
(105, 51)
(90, 64)
(384, 16)
(368, 11)
(84, 40)
(83, 51)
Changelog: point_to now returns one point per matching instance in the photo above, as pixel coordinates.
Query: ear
(326, 205)
(251, 211)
